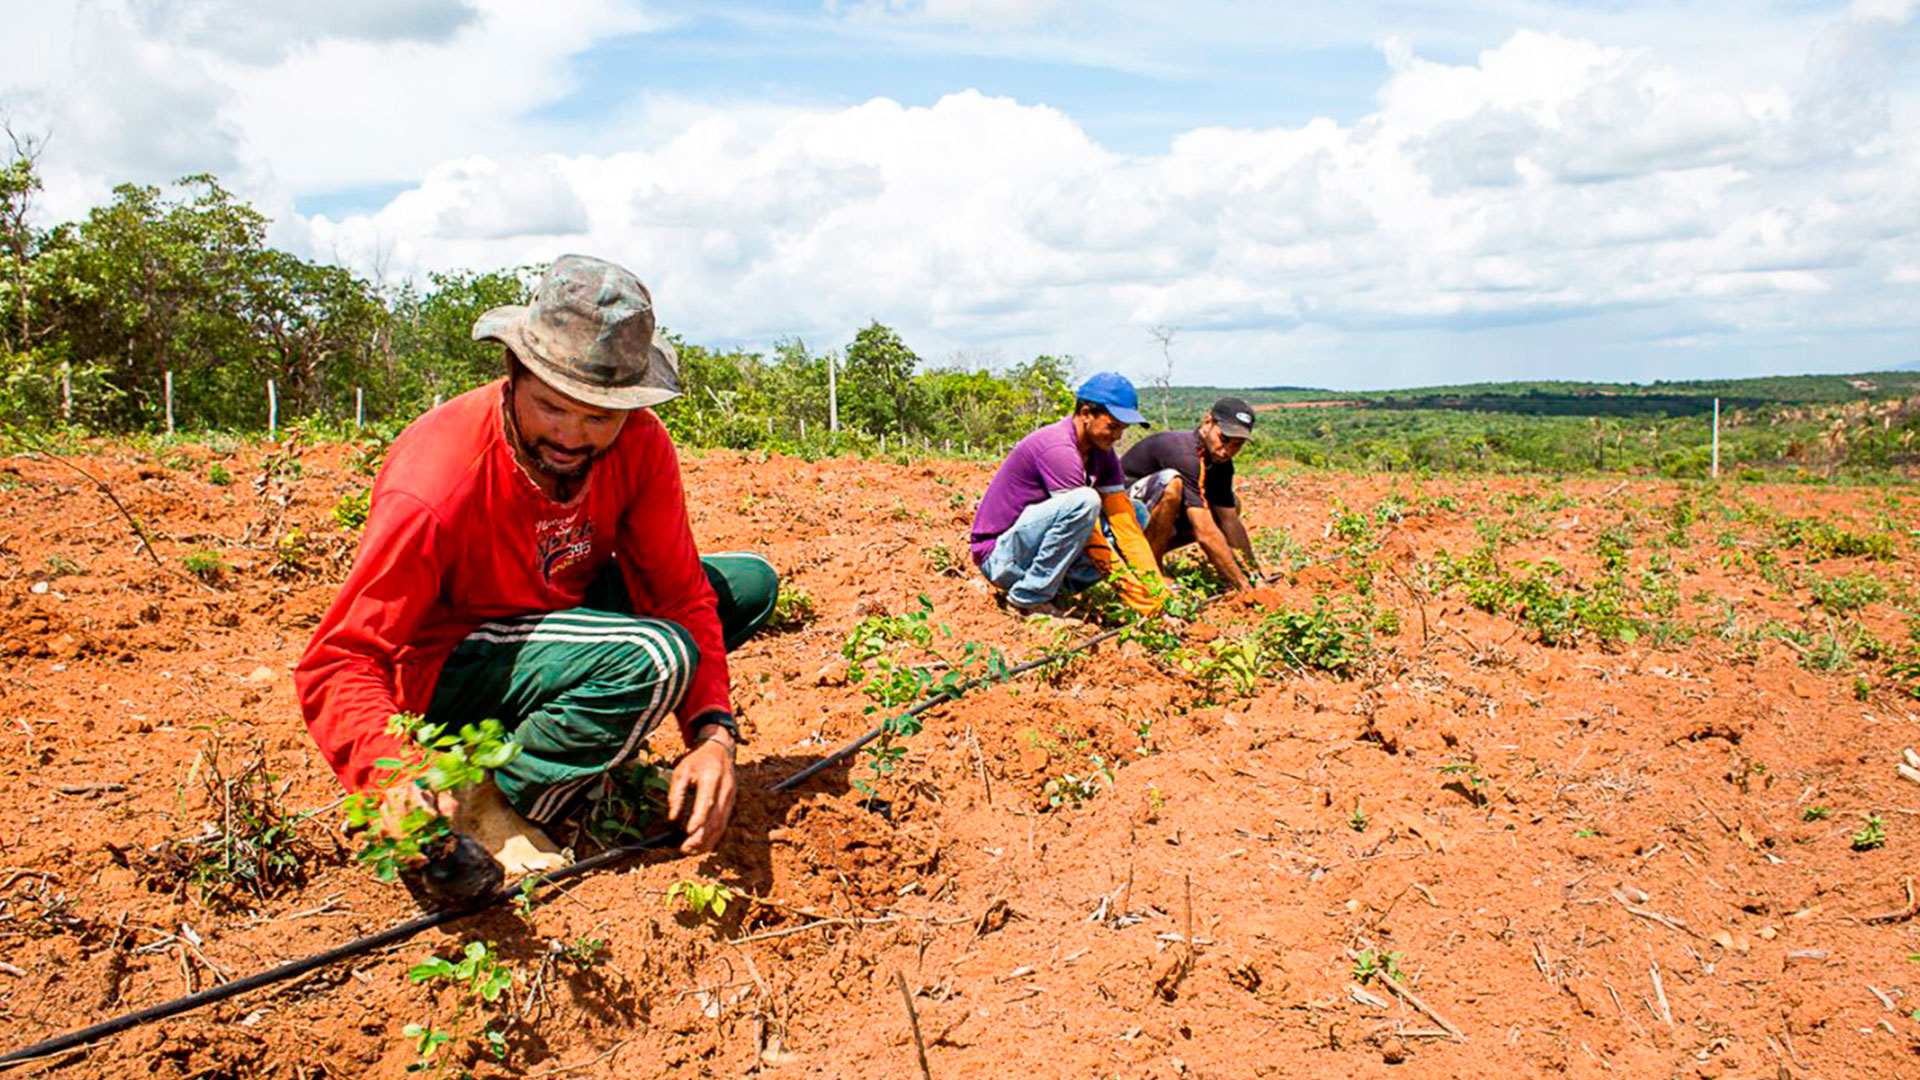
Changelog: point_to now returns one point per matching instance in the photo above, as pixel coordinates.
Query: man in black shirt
(1182, 485)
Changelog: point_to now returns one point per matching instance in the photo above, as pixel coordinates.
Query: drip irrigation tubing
(390, 936)
(954, 694)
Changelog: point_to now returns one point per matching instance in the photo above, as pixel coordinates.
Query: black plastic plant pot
(460, 873)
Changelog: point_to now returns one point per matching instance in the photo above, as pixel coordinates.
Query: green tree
(150, 285)
(427, 348)
(876, 394)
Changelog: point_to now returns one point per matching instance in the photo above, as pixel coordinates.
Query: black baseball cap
(1234, 416)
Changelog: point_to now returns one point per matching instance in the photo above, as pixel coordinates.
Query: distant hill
(1565, 398)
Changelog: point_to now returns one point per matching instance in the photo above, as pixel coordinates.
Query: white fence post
(66, 392)
(359, 408)
(833, 395)
(1716, 438)
(273, 410)
(166, 379)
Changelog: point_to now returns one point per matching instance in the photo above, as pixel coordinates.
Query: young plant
(1070, 789)
(443, 760)
(1231, 664)
(1467, 781)
(205, 565)
(634, 799)
(479, 979)
(252, 849)
(881, 660)
(350, 513)
(701, 898)
(1872, 835)
(584, 952)
(792, 609)
(1371, 963)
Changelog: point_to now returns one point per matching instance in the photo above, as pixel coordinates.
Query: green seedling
(1871, 835)
(479, 972)
(941, 560)
(59, 566)
(1371, 963)
(252, 850)
(428, 1042)
(898, 660)
(634, 799)
(1359, 821)
(701, 898)
(293, 553)
(350, 513)
(205, 565)
(1070, 789)
(584, 952)
(792, 610)
(1232, 664)
(443, 760)
(479, 979)
(1816, 813)
(218, 476)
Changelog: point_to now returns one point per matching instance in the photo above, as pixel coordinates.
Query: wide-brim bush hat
(589, 333)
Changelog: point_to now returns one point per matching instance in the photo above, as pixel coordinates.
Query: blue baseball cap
(1112, 392)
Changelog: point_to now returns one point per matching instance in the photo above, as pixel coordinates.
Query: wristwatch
(715, 718)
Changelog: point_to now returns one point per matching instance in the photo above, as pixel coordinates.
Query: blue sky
(1357, 195)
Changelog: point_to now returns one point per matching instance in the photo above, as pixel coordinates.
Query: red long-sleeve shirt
(458, 536)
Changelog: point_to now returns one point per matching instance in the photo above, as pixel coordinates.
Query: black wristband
(716, 718)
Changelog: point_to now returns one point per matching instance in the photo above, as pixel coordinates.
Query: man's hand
(403, 798)
(708, 770)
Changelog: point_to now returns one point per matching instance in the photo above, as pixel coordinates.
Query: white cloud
(978, 14)
(1552, 181)
(264, 32)
(1549, 179)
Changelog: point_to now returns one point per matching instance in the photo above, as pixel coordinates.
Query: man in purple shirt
(1037, 532)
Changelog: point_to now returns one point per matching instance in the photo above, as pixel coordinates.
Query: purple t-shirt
(1041, 465)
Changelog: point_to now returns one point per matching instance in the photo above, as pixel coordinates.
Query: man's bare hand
(708, 770)
(403, 798)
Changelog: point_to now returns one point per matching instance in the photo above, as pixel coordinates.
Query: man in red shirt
(527, 557)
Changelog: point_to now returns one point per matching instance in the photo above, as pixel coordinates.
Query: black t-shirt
(1180, 451)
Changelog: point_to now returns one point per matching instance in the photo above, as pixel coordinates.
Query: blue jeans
(1044, 553)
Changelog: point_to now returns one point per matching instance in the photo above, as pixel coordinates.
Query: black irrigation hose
(389, 936)
(877, 730)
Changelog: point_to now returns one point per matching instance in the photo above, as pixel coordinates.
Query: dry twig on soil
(913, 1020)
(1419, 1006)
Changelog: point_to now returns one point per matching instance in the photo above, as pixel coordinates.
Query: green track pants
(580, 689)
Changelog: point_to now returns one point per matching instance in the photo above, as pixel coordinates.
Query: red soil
(1642, 833)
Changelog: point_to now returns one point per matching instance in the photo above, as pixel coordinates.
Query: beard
(543, 453)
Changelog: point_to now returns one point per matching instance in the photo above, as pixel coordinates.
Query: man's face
(1220, 446)
(561, 436)
(1104, 430)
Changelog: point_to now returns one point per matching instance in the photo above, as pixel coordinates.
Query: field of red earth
(1403, 837)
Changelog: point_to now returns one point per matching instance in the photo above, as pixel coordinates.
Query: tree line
(179, 288)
